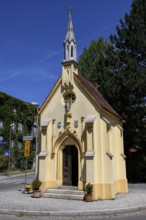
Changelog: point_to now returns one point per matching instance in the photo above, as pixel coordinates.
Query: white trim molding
(43, 154)
(90, 118)
(110, 154)
(45, 123)
(89, 154)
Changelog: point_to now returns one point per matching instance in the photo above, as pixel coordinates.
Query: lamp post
(10, 145)
(36, 140)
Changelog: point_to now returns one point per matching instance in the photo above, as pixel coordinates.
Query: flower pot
(37, 194)
(88, 197)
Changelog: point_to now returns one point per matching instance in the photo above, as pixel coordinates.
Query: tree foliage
(130, 43)
(117, 67)
(100, 64)
(98, 58)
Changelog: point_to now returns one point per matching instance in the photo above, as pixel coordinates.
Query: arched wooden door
(70, 166)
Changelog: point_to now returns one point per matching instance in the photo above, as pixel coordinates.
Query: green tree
(130, 43)
(100, 64)
(118, 69)
(96, 62)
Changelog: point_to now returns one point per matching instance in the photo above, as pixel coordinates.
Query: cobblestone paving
(16, 200)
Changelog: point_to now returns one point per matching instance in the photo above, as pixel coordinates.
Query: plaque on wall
(59, 125)
(75, 123)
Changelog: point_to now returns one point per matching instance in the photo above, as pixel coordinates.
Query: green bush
(36, 184)
(3, 163)
(89, 188)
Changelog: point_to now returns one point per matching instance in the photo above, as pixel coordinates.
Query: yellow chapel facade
(81, 135)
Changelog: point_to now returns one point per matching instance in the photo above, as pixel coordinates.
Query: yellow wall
(107, 174)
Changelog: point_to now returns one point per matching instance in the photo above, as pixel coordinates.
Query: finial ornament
(69, 10)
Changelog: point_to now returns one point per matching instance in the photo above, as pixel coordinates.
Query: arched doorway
(70, 166)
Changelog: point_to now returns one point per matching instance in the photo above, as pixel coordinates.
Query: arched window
(72, 51)
(67, 51)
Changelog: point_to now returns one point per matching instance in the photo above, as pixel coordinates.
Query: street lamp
(10, 144)
(36, 140)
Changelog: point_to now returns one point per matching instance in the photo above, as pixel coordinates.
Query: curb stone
(4, 177)
(73, 213)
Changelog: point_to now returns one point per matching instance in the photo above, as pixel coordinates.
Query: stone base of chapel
(100, 191)
(109, 190)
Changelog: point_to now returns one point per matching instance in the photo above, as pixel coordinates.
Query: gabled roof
(92, 91)
(96, 95)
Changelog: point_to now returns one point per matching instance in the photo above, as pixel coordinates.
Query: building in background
(17, 119)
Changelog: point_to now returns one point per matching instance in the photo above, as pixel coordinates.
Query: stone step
(68, 187)
(64, 193)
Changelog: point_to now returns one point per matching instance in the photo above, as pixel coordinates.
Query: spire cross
(69, 10)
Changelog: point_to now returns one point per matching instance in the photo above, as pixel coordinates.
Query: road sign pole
(25, 169)
(9, 166)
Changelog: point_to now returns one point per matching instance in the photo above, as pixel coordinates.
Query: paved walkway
(15, 202)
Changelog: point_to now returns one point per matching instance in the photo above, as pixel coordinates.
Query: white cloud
(27, 74)
(51, 55)
(9, 74)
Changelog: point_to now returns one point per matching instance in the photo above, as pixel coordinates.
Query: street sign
(27, 138)
(3, 142)
(27, 149)
(6, 153)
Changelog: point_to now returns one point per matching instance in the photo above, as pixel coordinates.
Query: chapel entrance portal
(70, 166)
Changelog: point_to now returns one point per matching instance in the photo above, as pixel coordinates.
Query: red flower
(132, 150)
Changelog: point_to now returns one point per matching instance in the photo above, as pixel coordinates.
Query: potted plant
(88, 192)
(36, 188)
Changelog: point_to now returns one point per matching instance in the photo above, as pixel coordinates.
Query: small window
(20, 127)
(12, 126)
(34, 131)
(1, 123)
(19, 145)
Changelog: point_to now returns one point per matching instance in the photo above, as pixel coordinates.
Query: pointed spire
(69, 64)
(70, 31)
(70, 42)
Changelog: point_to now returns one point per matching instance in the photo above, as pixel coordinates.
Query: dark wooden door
(67, 166)
(70, 166)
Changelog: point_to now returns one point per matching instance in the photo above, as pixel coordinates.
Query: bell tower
(69, 64)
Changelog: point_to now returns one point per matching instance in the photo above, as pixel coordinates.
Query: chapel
(81, 135)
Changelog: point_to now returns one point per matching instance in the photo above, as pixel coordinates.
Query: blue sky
(32, 34)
